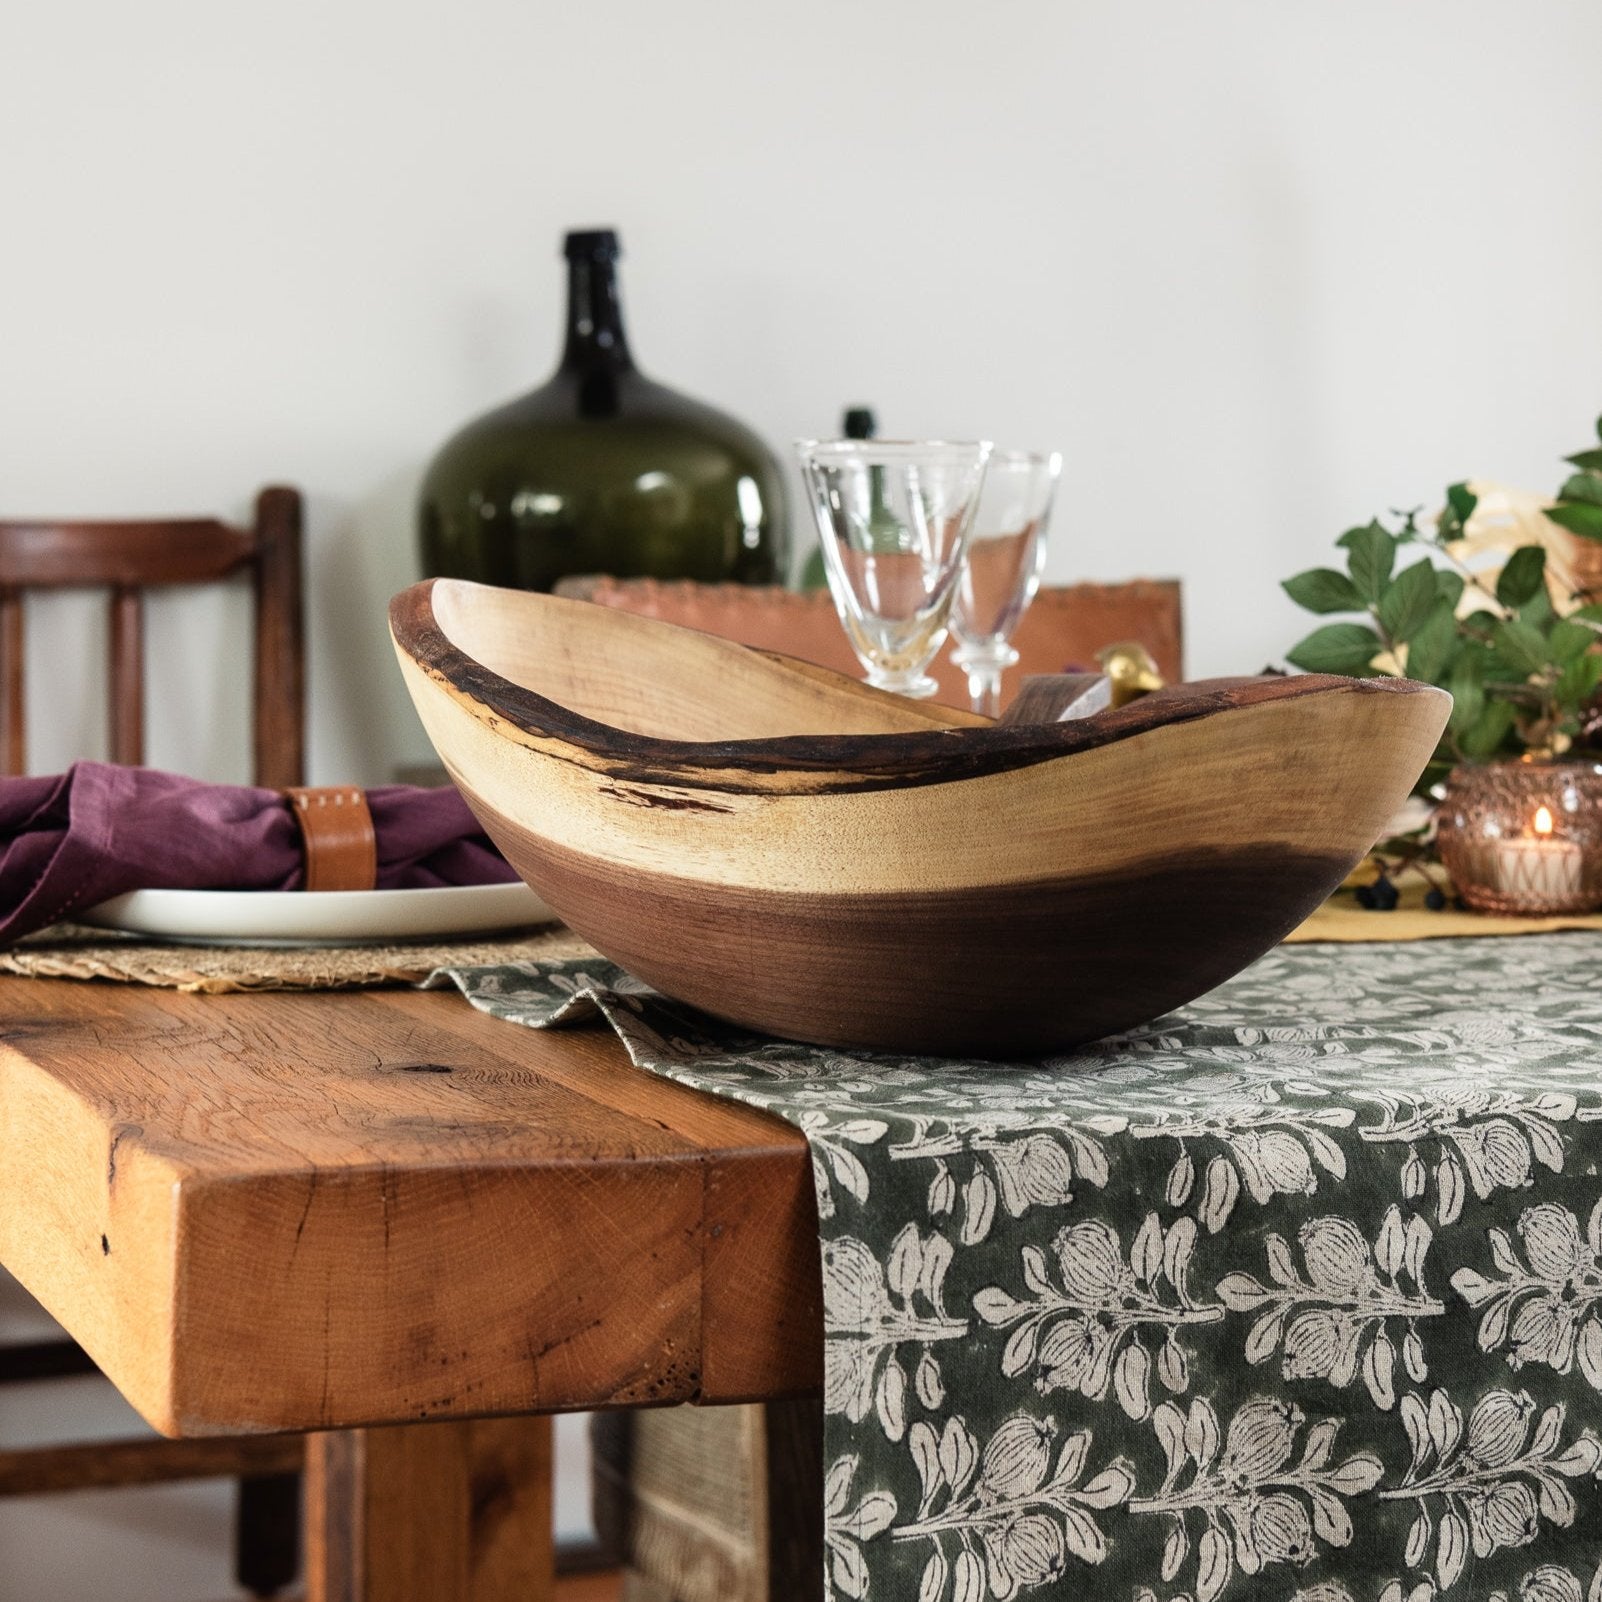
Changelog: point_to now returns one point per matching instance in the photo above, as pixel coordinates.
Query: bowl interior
(660, 681)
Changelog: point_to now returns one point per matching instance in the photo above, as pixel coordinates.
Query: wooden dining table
(414, 1230)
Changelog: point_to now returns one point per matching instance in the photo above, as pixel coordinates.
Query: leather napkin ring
(336, 830)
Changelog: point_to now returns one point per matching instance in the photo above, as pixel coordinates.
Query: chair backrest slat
(280, 668)
(36, 555)
(125, 662)
(129, 558)
(13, 731)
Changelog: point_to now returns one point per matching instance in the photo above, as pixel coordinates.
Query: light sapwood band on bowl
(796, 852)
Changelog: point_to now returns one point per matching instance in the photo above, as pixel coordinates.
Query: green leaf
(1488, 731)
(1337, 648)
(1449, 586)
(1523, 577)
(1578, 682)
(1371, 555)
(1590, 460)
(1567, 641)
(1585, 487)
(1322, 589)
(1587, 614)
(1433, 646)
(1462, 501)
(1578, 518)
(1522, 646)
(1468, 690)
(1407, 599)
(1538, 610)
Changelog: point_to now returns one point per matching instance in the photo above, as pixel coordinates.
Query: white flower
(1017, 1457)
(1035, 1172)
(1031, 1549)
(1506, 1515)
(1504, 519)
(1279, 1529)
(847, 1379)
(1498, 1426)
(1543, 1332)
(1336, 1254)
(1549, 1583)
(1497, 1155)
(1261, 1435)
(1092, 1263)
(1274, 1163)
(1318, 1342)
(853, 1283)
(1552, 1242)
(1075, 1355)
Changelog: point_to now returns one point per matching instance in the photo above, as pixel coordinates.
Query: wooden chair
(1065, 626)
(722, 1504)
(127, 559)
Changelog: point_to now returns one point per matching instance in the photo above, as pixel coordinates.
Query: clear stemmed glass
(1006, 552)
(894, 518)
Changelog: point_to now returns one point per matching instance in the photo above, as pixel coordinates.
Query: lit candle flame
(1543, 820)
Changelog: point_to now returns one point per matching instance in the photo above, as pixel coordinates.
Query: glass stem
(984, 688)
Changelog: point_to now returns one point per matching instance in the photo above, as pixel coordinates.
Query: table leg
(267, 1515)
(455, 1512)
(794, 1434)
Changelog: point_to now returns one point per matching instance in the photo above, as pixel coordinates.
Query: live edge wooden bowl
(795, 852)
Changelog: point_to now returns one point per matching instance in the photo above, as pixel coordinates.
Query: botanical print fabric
(1293, 1295)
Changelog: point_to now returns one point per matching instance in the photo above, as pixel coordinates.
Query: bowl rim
(853, 761)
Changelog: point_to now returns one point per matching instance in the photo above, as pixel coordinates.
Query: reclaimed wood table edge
(199, 1313)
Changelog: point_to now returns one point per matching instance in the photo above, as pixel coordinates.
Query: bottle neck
(595, 340)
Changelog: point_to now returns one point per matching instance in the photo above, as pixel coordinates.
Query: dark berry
(1385, 894)
(1365, 896)
(1435, 900)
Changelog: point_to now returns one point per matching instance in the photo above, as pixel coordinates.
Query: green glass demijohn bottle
(600, 470)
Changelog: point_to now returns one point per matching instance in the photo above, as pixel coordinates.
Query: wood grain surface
(312, 1211)
(801, 855)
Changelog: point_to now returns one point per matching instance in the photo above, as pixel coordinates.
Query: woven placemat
(69, 951)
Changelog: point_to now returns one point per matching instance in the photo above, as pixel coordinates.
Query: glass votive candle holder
(1524, 837)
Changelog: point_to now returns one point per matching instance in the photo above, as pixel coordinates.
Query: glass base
(917, 687)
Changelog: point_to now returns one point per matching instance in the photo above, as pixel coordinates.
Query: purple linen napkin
(74, 839)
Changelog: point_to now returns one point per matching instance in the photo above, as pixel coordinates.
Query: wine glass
(894, 518)
(1006, 552)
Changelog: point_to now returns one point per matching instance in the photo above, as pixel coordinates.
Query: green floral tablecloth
(1293, 1295)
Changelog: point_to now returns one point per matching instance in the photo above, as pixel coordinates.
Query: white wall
(1258, 268)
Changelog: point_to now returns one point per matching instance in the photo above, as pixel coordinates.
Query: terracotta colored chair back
(1065, 626)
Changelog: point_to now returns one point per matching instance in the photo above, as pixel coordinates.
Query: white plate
(323, 917)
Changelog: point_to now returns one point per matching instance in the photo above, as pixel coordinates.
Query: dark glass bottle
(600, 470)
(858, 423)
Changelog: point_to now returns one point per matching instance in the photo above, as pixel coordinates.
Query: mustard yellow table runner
(1340, 918)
